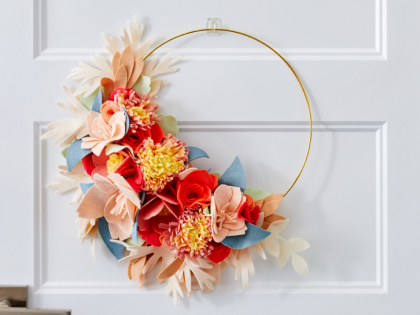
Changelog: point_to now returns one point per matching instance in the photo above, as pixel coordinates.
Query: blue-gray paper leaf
(234, 175)
(114, 248)
(75, 153)
(127, 121)
(195, 153)
(97, 102)
(85, 187)
(253, 235)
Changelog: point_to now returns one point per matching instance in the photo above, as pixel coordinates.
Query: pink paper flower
(102, 133)
(113, 198)
(225, 205)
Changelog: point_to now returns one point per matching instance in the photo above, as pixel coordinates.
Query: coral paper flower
(113, 198)
(250, 214)
(196, 189)
(161, 162)
(102, 133)
(225, 205)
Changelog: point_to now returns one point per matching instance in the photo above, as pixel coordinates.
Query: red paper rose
(196, 188)
(126, 93)
(249, 214)
(131, 172)
(134, 139)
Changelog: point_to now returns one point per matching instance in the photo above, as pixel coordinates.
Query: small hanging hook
(214, 24)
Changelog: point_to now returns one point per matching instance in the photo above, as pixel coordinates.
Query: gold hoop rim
(281, 57)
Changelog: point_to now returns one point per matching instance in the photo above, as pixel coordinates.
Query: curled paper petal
(252, 236)
(234, 175)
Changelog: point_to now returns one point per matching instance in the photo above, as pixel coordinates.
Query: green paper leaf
(88, 101)
(64, 152)
(142, 85)
(207, 212)
(218, 175)
(256, 194)
(168, 124)
(114, 148)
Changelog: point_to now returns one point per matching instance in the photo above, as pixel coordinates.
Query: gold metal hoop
(281, 57)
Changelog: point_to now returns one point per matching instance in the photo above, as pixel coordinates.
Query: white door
(355, 202)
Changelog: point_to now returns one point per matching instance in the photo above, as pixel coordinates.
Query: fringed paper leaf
(153, 69)
(69, 129)
(174, 288)
(203, 278)
(91, 76)
(195, 153)
(70, 181)
(234, 175)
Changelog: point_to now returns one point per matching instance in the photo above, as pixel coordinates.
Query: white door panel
(355, 202)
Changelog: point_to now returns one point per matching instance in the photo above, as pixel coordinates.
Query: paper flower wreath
(138, 188)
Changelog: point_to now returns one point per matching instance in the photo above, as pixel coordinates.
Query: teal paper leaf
(195, 153)
(234, 175)
(252, 236)
(114, 248)
(97, 102)
(75, 153)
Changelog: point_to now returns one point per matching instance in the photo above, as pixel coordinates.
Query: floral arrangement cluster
(137, 186)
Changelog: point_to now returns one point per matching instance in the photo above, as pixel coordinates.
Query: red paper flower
(219, 252)
(249, 214)
(196, 189)
(151, 215)
(135, 137)
(131, 172)
(125, 92)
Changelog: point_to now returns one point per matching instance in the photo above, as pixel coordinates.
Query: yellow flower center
(114, 161)
(140, 115)
(194, 234)
(160, 162)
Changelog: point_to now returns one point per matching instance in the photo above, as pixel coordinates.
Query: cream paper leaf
(174, 288)
(300, 265)
(243, 266)
(70, 181)
(90, 76)
(141, 251)
(70, 129)
(153, 69)
(284, 256)
(203, 278)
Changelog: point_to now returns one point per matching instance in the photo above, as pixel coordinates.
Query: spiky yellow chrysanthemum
(161, 162)
(193, 236)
